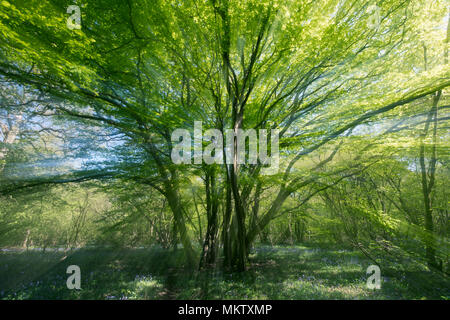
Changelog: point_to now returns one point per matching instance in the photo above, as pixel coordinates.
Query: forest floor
(289, 272)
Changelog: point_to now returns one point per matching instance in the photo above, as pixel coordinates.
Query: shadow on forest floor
(276, 273)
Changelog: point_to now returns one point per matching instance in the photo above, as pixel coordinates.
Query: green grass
(275, 273)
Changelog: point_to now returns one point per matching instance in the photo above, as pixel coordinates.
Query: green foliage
(293, 272)
(86, 118)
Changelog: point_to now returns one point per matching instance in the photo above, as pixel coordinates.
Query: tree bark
(208, 256)
(428, 184)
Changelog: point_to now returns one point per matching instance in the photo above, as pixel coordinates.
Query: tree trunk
(208, 256)
(226, 227)
(180, 225)
(240, 255)
(427, 185)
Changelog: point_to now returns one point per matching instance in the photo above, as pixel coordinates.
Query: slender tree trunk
(25, 242)
(264, 221)
(208, 256)
(9, 132)
(255, 211)
(428, 184)
(226, 227)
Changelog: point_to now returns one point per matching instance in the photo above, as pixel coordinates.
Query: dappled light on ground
(275, 273)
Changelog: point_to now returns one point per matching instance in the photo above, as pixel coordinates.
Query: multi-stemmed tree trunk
(208, 256)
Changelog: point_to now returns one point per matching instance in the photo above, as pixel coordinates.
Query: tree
(143, 69)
